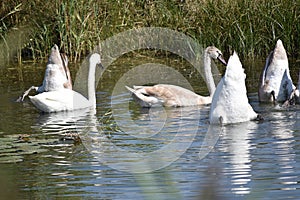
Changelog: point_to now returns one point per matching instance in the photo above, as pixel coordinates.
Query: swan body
(60, 100)
(67, 99)
(275, 82)
(230, 103)
(167, 95)
(57, 74)
(175, 96)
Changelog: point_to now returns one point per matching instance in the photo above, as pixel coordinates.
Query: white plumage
(275, 82)
(66, 99)
(57, 74)
(230, 102)
(175, 96)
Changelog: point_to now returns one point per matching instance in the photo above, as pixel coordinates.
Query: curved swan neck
(208, 74)
(91, 84)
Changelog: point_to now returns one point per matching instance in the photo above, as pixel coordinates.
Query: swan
(57, 74)
(276, 84)
(66, 99)
(230, 103)
(175, 96)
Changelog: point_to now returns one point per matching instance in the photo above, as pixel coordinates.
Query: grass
(249, 27)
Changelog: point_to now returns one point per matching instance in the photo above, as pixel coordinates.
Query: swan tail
(142, 97)
(130, 89)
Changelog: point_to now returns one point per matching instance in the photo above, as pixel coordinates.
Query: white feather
(230, 102)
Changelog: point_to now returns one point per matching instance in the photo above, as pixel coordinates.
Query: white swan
(175, 96)
(66, 99)
(275, 81)
(57, 74)
(230, 102)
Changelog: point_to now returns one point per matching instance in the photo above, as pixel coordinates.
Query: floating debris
(71, 137)
(24, 138)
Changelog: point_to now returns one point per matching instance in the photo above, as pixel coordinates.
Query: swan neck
(208, 74)
(91, 84)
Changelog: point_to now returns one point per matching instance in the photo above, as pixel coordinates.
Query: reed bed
(249, 27)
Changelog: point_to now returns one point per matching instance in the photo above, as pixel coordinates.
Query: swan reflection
(127, 151)
(241, 161)
(237, 138)
(284, 150)
(60, 122)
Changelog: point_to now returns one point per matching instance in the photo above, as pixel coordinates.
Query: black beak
(221, 59)
(100, 65)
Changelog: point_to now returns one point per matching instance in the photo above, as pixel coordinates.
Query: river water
(131, 153)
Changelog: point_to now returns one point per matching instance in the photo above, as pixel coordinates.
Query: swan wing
(168, 95)
(144, 98)
(66, 71)
(264, 71)
(180, 96)
(286, 87)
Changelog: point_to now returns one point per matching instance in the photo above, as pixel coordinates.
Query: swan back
(230, 102)
(166, 95)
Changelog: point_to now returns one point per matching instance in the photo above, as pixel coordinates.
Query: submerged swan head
(215, 53)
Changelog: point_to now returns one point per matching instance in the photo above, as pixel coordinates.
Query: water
(182, 157)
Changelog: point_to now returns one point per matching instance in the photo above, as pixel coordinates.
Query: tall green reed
(249, 27)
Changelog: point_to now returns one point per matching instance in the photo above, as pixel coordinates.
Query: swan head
(95, 59)
(215, 53)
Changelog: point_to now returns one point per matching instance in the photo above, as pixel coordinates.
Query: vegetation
(29, 28)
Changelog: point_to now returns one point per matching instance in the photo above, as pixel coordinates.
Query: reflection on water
(191, 159)
(284, 151)
(238, 137)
